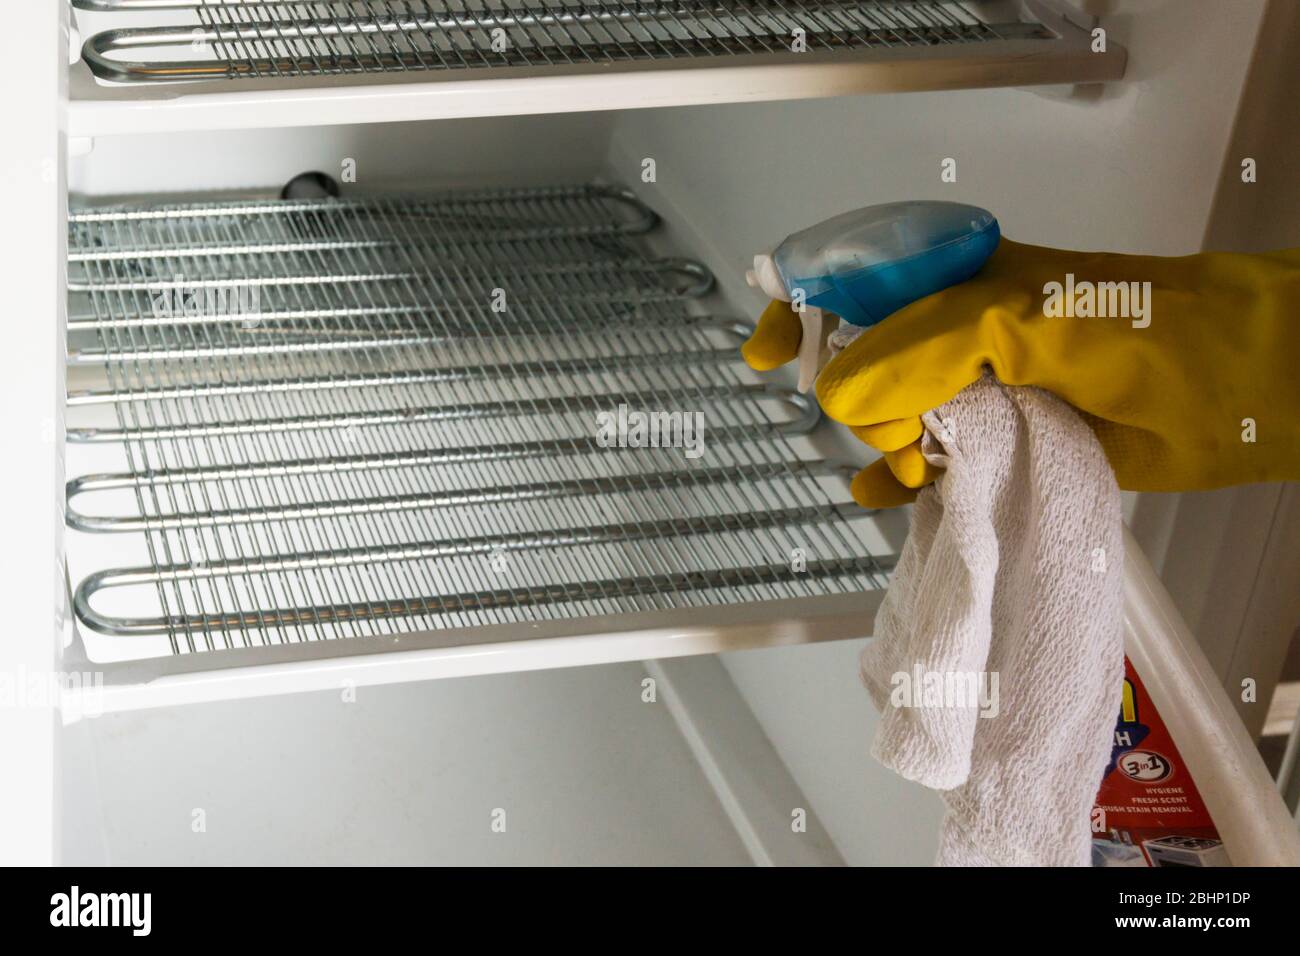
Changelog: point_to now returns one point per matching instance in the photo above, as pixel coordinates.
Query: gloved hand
(1194, 387)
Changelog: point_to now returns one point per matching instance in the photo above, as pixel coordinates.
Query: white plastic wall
(519, 151)
(571, 766)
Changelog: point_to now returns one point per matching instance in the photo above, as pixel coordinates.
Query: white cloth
(1013, 571)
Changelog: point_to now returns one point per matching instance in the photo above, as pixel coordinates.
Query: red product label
(1148, 810)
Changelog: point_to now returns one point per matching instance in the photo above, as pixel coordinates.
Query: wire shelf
(371, 446)
(241, 39)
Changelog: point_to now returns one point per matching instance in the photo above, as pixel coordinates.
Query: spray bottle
(865, 265)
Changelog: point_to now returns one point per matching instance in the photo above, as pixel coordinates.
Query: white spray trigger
(813, 350)
(765, 277)
(816, 324)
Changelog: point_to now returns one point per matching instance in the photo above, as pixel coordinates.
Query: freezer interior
(364, 466)
(299, 426)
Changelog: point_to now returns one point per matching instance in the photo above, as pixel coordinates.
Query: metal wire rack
(393, 426)
(234, 39)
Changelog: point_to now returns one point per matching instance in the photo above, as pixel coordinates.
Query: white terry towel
(1011, 575)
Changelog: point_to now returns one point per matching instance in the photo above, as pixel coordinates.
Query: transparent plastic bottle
(867, 264)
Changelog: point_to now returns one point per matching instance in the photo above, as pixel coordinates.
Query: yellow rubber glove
(1192, 388)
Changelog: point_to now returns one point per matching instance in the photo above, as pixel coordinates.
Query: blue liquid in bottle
(867, 264)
